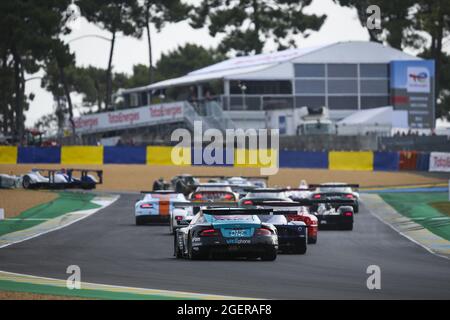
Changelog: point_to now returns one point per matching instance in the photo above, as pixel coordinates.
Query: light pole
(243, 89)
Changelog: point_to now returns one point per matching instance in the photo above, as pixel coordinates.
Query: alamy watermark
(220, 150)
(74, 280)
(373, 17)
(374, 280)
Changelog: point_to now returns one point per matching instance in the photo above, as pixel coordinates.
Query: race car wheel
(300, 249)
(270, 255)
(356, 209)
(312, 240)
(178, 254)
(139, 221)
(26, 182)
(192, 255)
(347, 226)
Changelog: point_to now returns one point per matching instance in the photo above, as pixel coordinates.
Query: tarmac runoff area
(410, 214)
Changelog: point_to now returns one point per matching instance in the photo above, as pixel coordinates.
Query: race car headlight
(146, 206)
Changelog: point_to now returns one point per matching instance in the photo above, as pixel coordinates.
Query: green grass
(65, 203)
(443, 207)
(427, 209)
(13, 286)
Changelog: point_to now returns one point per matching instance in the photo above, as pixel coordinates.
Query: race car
(292, 235)
(209, 192)
(337, 191)
(184, 184)
(260, 195)
(302, 192)
(158, 207)
(227, 231)
(278, 199)
(239, 183)
(335, 215)
(61, 179)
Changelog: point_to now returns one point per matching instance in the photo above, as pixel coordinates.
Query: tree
(28, 30)
(186, 59)
(395, 19)
(115, 16)
(434, 19)
(419, 24)
(158, 13)
(248, 24)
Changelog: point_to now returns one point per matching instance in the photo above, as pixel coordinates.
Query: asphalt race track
(110, 249)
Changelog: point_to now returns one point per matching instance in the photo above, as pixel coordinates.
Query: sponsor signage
(130, 118)
(412, 90)
(418, 79)
(440, 162)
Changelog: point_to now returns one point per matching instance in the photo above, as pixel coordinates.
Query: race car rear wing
(160, 192)
(236, 212)
(315, 186)
(227, 177)
(303, 203)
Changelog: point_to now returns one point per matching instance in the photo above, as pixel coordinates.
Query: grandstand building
(345, 78)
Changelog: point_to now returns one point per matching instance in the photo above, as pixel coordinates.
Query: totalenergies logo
(420, 77)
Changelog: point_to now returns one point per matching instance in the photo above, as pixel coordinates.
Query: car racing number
(237, 233)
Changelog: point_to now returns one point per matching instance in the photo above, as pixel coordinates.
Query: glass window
(374, 70)
(309, 70)
(343, 70)
(343, 86)
(251, 103)
(271, 103)
(374, 102)
(134, 99)
(309, 86)
(343, 102)
(261, 87)
(275, 219)
(144, 99)
(375, 86)
(310, 101)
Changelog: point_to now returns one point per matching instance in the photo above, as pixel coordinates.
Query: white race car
(158, 207)
(61, 178)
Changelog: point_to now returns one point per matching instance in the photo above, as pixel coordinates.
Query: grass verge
(426, 209)
(65, 202)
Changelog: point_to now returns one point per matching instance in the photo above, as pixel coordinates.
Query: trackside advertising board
(412, 89)
(130, 118)
(440, 162)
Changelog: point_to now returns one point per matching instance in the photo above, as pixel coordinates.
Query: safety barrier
(386, 161)
(347, 160)
(165, 155)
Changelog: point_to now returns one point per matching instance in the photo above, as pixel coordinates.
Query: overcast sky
(342, 24)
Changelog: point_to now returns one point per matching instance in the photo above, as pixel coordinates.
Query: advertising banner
(439, 162)
(412, 90)
(130, 118)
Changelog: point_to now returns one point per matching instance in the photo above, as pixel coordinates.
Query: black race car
(227, 231)
(261, 195)
(337, 191)
(185, 184)
(292, 236)
(334, 214)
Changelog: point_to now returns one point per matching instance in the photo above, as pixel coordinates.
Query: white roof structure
(278, 65)
(377, 116)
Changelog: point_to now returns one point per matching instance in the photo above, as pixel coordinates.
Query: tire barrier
(184, 156)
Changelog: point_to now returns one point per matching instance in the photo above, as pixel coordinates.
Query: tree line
(32, 40)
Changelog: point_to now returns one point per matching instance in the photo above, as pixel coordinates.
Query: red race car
(279, 200)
